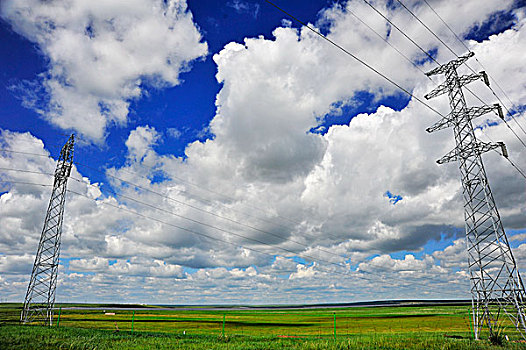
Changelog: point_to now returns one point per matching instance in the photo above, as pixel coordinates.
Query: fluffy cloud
(317, 199)
(102, 54)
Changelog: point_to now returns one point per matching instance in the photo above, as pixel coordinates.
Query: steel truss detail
(496, 285)
(40, 296)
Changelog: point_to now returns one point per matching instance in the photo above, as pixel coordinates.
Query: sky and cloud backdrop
(227, 154)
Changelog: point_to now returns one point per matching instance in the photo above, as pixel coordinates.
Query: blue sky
(244, 115)
(188, 107)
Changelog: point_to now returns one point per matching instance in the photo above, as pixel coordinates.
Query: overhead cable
(232, 243)
(224, 230)
(245, 247)
(483, 67)
(356, 58)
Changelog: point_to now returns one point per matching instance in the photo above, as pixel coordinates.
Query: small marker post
(223, 331)
(59, 312)
(334, 325)
(133, 319)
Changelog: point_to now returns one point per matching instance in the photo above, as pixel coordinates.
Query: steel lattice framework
(40, 296)
(496, 285)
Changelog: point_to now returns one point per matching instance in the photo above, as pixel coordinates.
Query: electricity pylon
(40, 296)
(496, 285)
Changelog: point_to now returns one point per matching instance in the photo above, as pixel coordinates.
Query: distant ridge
(379, 303)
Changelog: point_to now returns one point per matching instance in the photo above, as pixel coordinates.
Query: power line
(215, 227)
(516, 167)
(231, 243)
(220, 229)
(143, 188)
(472, 70)
(451, 30)
(483, 67)
(193, 195)
(245, 247)
(523, 174)
(206, 211)
(27, 171)
(436, 36)
(203, 210)
(226, 231)
(401, 31)
(196, 221)
(355, 58)
(26, 153)
(232, 209)
(25, 183)
(387, 42)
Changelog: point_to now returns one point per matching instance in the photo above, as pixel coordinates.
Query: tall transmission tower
(496, 285)
(40, 296)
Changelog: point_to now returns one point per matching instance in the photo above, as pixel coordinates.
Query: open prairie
(142, 327)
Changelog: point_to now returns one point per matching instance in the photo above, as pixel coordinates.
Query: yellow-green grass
(359, 327)
(317, 322)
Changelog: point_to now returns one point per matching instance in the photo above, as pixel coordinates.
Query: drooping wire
(210, 213)
(347, 274)
(425, 26)
(264, 211)
(404, 281)
(401, 31)
(193, 195)
(26, 153)
(230, 232)
(472, 70)
(27, 171)
(332, 42)
(387, 42)
(196, 221)
(201, 199)
(42, 155)
(483, 67)
(523, 174)
(25, 183)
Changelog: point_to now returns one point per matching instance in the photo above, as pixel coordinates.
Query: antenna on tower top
(40, 296)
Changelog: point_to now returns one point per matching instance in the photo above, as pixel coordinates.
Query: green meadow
(418, 327)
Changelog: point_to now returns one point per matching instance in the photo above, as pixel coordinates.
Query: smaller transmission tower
(496, 285)
(40, 296)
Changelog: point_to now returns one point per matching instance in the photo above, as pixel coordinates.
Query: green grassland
(421, 327)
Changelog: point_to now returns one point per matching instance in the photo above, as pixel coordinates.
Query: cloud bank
(268, 209)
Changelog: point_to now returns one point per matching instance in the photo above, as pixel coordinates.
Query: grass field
(423, 327)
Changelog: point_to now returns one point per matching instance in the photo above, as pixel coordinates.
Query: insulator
(485, 77)
(503, 149)
(499, 110)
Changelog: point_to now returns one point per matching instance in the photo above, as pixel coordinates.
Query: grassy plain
(423, 327)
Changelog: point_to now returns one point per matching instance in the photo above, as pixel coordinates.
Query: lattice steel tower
(40, 296)
(496, 285)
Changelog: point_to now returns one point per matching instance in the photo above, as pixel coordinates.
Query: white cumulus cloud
(102, 55)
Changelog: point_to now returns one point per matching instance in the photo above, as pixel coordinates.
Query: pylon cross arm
(472, 113)
(466, 79)
(476, 148)
(450, 65)
(463, 80)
